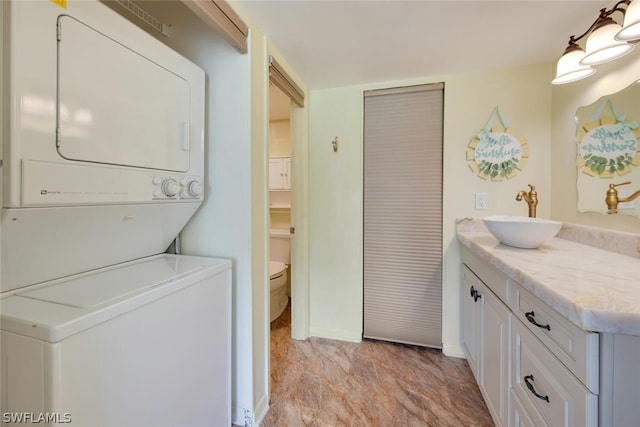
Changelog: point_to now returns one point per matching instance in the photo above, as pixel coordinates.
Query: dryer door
(116, 106)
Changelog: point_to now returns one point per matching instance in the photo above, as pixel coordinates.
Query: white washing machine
(102, 166)
(145, 343)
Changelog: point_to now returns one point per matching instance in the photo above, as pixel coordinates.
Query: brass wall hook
(335, 144)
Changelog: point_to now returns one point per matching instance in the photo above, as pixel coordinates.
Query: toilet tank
(280, 246)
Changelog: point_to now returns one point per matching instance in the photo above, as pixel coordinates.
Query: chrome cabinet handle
(531, 318)
(533, 390)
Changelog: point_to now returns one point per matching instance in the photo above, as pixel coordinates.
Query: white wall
(335, 214)
(524, 97)
(280, 138)
(609, 78)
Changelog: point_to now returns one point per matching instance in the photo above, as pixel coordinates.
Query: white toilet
(280, 251)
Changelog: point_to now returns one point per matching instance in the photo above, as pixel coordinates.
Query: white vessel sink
(522, 232)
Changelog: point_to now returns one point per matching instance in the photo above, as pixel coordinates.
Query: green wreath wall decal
(497, 151)
(607, 145)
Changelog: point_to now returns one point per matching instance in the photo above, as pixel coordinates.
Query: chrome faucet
(612, 198)
(531, 198)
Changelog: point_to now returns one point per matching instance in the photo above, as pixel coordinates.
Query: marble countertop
(595, 288)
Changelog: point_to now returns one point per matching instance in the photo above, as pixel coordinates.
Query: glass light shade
(602, 47)
(631, 28)
(569, 68)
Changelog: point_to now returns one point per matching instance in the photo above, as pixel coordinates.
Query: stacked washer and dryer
(102, 166)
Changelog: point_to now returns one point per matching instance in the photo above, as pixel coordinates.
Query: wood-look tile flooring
(322, 382)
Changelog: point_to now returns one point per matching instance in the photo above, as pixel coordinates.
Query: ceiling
(332, 43)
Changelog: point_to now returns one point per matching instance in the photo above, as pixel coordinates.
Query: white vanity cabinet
(573, 352)
(486, 337)
(531, 364)
(279, 173)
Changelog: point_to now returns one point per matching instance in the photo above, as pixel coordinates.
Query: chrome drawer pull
(530, 317)
(533, 390)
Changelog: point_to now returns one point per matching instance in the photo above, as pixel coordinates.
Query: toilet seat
(278, 289)
(276, 269)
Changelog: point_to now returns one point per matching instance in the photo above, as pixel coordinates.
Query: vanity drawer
(543, 383)
(577, 349)
(494, 279)
(521, 416)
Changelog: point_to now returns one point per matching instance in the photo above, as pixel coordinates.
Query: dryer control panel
(63, 184)
(172, 187)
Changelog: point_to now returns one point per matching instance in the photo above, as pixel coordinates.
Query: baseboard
(262, 408)
(237, 416)
(453, 351)
(335, 334)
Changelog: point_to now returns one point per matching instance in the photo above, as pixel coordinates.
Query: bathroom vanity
(552, 334)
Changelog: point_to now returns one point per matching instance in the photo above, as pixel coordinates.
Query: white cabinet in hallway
(279, 173)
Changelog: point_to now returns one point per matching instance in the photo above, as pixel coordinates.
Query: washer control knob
(194, 188)
(157, 180)
(170, 187)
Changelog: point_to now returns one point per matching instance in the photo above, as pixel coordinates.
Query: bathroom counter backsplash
(589, 275)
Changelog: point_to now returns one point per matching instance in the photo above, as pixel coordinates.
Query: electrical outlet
(482, 201)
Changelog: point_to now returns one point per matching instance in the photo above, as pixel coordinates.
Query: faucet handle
(612, 186)
(532, 187)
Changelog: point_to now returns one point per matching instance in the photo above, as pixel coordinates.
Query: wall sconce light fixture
(606, 41)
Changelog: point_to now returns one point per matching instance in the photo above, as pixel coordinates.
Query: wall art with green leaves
(497, 151)
(607, 144)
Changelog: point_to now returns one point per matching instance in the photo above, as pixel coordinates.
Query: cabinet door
(543, 383)
(486, 333)
(495, 355)
(286, 170)
(275, 174)
(471, 309)
(279, 171)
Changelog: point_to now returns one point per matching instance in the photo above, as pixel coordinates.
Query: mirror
(607, 133)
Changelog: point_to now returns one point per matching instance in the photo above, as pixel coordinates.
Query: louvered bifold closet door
(403, 214)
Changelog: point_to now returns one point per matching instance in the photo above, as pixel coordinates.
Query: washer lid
(64, 307)
(95, 289)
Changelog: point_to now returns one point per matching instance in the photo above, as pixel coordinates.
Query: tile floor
(321, 382)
